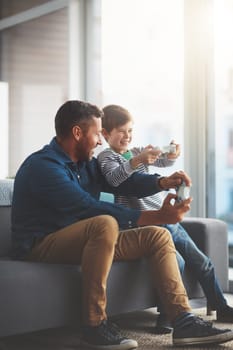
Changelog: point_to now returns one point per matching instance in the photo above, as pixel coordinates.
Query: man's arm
(137, 185)
(53, 188)
(143, 185)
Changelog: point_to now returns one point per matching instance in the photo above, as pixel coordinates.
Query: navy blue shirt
(51, 192)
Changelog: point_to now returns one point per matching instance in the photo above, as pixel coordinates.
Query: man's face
(89, 140)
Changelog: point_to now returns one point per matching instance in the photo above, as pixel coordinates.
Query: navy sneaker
(106, 336)
(225, 315)
(193, 330)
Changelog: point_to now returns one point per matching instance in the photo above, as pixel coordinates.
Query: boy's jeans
(199, 264)
(96, 242)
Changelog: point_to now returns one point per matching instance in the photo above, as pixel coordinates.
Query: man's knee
(157, 237)
(107, 221)
(106, 227)
(162, 234)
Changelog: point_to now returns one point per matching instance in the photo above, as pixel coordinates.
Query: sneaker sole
(131, 344)
(213, 339)
(162, 330)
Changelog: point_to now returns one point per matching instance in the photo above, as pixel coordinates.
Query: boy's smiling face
(119, 138)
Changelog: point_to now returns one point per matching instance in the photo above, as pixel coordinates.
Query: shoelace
(186, 322)
(109, 331)
(113, 327)
(198, 320)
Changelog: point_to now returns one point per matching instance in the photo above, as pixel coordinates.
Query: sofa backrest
(6, 191)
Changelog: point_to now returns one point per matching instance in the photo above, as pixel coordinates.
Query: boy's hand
(174, 180)
(148, 156)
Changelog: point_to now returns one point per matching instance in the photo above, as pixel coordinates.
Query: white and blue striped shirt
(117, 169)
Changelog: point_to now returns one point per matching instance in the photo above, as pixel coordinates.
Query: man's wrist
(150, 217)
(162, 183)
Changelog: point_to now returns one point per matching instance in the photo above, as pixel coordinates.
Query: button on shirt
(51, 192)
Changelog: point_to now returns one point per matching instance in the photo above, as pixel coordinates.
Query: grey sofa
(36, 296)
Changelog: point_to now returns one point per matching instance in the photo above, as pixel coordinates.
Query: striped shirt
(117, 169)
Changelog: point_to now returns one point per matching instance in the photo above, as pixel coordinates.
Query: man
(57, 217)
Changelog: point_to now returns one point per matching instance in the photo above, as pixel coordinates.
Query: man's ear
(77, 132)
(104, 133)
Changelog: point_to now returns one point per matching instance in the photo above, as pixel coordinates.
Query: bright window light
(142, 67)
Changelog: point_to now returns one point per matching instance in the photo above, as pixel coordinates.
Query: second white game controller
(169, 149)
(182, 192)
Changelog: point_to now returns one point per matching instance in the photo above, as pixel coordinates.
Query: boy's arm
(114, 169)
(159, 162)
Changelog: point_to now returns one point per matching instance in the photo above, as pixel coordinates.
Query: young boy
(117, 163)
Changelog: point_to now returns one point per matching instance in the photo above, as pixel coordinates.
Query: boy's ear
(104, 133)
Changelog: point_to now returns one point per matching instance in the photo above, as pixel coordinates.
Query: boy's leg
(90, 243)
(200, 265)
(156, 244)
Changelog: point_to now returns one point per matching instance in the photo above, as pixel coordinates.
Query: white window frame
(4, 130)
(198, 104)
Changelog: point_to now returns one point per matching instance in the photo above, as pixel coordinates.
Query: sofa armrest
(6, 191)
(211, 236)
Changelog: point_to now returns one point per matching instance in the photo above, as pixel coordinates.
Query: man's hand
(168, 214)
(173, 213)
(174, 180)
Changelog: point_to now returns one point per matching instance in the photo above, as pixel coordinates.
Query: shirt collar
(63, 156)
(60, 152)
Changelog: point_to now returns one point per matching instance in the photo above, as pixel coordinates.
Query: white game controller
(169, 149)
(182, 192)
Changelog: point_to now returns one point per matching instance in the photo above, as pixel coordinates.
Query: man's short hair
(73, 113)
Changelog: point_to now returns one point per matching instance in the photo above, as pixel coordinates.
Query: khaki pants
(96, 242)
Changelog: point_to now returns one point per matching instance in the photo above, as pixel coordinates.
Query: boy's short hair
(115, 116)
